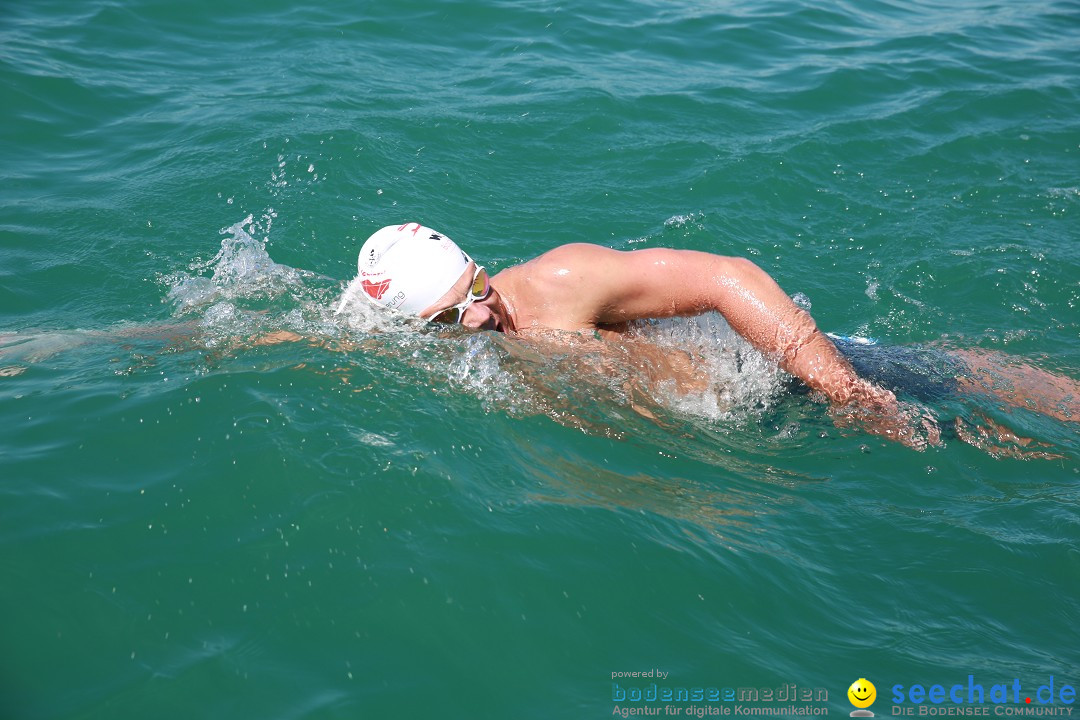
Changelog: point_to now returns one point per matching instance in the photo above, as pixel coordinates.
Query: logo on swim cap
(406, 268)
(375, 289)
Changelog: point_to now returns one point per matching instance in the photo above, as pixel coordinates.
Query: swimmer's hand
(39, 347)
(878, 412)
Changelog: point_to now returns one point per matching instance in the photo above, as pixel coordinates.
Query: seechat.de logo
(862, 694)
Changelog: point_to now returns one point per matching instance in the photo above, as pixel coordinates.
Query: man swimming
(415, 271)
(586, 295)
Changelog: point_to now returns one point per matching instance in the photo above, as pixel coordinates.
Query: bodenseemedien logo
(862, 694)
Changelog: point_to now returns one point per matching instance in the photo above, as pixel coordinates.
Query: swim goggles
(481, 288)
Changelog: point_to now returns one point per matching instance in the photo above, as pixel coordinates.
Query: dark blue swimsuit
(924, 373)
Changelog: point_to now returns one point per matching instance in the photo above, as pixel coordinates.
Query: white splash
(242, 268)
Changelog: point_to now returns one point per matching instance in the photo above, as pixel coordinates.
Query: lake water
(379, 523)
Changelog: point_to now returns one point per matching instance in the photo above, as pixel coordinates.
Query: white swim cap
(406, 268)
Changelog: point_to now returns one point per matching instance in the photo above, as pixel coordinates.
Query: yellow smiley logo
(862, 693)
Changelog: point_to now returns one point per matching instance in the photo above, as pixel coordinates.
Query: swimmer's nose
(478, 317)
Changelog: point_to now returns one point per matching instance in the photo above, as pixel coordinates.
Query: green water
(378, 523)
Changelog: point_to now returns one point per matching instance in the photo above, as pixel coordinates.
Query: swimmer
(597, 294)
(415, 271)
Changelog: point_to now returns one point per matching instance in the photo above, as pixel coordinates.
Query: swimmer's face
(862, 693)
(486, 314)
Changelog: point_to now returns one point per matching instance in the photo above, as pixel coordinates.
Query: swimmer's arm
(35, 347)
(624, 286)
(657, 283)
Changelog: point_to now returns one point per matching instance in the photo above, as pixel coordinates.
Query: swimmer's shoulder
(558, 268)
(572, 255)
